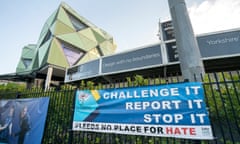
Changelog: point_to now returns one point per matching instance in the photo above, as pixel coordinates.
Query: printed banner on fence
(22, 120)
(174, 110)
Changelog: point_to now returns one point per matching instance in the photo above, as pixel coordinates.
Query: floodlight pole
(189, 54)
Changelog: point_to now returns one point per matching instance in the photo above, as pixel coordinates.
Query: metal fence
(222, 95)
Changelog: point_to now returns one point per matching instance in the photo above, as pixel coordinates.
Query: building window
(78, 25)
(46, 38)
(27, 62)
(72, 54)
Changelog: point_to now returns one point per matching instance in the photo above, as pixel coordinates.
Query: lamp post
(189, 55)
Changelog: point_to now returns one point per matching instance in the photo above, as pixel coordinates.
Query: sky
(132, 23)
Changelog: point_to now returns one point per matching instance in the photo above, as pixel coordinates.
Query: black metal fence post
(70, 141)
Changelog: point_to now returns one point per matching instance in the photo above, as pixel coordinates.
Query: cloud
(215, 15)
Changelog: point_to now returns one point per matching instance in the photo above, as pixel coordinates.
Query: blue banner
(174, 110)
(22, 120)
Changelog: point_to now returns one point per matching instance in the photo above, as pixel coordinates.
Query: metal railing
(222, 96)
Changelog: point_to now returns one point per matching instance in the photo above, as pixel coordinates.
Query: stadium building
(66, 39)
(220, 51)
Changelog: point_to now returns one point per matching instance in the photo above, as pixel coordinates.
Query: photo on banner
(22, 121)
(173, 110)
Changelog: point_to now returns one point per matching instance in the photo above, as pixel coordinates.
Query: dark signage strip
(221, 44)
(86, 70)
(132, 60)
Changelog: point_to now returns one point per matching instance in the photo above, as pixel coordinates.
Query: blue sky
(132, 23)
